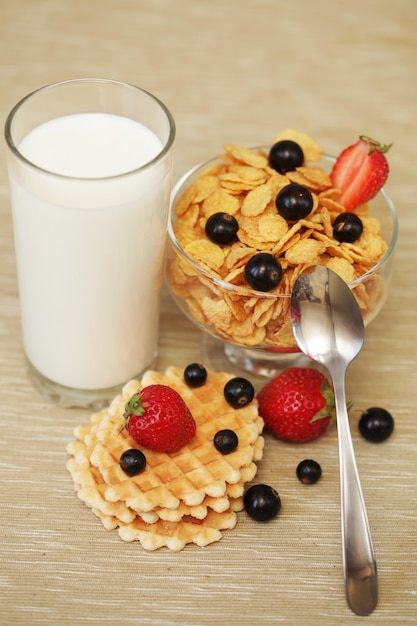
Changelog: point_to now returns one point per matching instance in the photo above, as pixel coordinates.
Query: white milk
(90, 250)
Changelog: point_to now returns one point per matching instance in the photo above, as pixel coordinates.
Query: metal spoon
(328, 327)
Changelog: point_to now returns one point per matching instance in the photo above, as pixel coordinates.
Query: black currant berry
(376, 424)
(308, 472)
(132, 462)
(263, 271)
(286, 156)
(239, 392)
(347, 227)
(294, 202)
(262, 502)
(225, 441)
(195, 374)
(221, 228)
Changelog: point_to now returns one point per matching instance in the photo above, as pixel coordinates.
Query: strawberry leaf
(329, 409)
(134, 406)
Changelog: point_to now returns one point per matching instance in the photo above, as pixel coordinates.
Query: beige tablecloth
(230, 72)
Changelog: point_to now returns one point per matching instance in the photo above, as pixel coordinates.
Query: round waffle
(181, 497)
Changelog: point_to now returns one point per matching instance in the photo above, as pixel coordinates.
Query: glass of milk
(89, 164)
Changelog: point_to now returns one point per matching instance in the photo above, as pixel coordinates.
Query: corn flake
(256, 201)
(305, 251)
(220, 201)
(206, 251)
(342, 267)
(245, 155)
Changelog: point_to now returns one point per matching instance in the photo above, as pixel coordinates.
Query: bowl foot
(257, 365)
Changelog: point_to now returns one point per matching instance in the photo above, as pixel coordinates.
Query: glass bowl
(247, 330)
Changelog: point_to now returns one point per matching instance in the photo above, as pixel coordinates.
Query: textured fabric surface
(235, 72)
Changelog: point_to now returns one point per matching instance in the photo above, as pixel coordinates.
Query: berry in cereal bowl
(288, 216)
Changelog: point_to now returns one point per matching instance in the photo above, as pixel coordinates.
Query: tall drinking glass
(89, 164)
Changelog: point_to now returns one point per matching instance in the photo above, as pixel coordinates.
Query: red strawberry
(297, 405)
(360, 171)
(157, 418)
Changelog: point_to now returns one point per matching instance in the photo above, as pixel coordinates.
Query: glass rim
(49, 87)
(247, 291)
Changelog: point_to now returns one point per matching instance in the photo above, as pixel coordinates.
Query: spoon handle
(359, 562)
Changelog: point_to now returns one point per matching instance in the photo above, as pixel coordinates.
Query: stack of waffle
(183, 497)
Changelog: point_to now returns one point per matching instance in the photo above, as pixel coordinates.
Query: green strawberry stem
(375, 145)
(329, 409)
(133, 406)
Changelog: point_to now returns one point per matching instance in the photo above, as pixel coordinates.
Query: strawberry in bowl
(360, 172)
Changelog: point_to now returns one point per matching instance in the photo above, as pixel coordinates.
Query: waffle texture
(182, 497)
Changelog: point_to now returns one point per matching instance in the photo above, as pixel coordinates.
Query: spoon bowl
(327, 322)
(328, 327)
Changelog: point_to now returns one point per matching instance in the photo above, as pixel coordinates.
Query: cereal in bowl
(245, 231)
